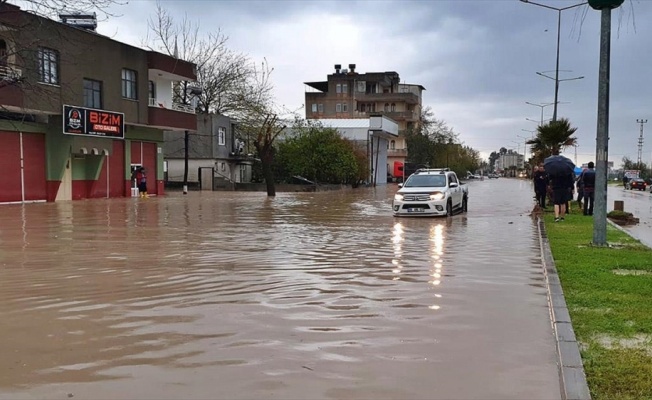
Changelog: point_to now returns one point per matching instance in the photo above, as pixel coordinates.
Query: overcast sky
(477, 59)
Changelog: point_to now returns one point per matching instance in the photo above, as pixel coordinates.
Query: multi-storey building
(216, 157)
(347, 94)
(79, 110)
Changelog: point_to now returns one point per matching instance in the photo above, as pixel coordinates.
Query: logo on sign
(74, 118)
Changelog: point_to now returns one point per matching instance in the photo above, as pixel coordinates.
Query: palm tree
(552, 138)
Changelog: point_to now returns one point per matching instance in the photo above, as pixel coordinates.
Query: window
(223, 166)
(386, 106)
(221, 136)
(362, 107)
(92, 93)
(392, 145)
(151, 89)
(393, 107)
(345, 88)
(129, 84)
(338, 88)
(345, 107)
(338, 107)
(48, 66)
(3, 53)
(320, 108)
(314, 108)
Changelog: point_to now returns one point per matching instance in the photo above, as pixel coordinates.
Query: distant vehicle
(473, 176)
(431, 192)
(402, 171)
(493, 176)
(636, 183)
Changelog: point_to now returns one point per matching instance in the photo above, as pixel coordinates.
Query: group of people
(561, 188)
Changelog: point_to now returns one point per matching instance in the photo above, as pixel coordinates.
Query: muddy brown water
(306, 295)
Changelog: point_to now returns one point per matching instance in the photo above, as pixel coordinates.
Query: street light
(542, 106)
(559, 10)
(525, 139)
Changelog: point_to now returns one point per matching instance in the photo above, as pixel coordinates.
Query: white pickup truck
(431, 192)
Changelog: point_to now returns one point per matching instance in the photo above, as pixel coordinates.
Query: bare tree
(230, 82)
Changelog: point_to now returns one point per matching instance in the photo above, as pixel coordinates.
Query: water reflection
(397, 241)
(172, 297)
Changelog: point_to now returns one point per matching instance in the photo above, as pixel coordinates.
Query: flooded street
(304, 296)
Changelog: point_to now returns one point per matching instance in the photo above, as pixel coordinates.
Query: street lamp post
(525, 139)
(542, 106)
(559, 10)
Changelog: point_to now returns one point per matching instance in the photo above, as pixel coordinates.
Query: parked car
(431, 192)
(636, 183)
(493, 176)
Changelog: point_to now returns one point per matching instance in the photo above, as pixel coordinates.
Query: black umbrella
(558, 165)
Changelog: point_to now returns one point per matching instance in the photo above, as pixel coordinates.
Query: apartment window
(3, 53)
(362, 107)
(151, 90)
(392, 145)
(371, 107)
(221, 136)
(338, 108)
(314, 108)
(345, 88)
(320, 108)
(129, 84)
(345, 107)
(223, 166)
(338, 88)
(48, 66)
(386, 106)
(92, 93)
(393, 107)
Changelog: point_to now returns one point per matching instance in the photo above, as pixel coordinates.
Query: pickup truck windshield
(426, 181)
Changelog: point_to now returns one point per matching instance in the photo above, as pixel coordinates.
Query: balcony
(170, 67)
(11, 95)
(175, 117)
(10, 73)
(174, 106)
(393, 115)
(409, 98)
(397, 152)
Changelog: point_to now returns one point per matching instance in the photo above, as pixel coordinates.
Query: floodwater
(304, 296)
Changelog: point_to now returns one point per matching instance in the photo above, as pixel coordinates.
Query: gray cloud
(476, 58)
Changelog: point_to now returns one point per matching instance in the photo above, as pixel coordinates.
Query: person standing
(540, 179)
(561, 193)
(141, 180)
(588, 182)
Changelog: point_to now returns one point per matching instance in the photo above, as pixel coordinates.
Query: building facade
(510, 160)
(79, 111)
(215, 156)
(347, 94)
(373, 135)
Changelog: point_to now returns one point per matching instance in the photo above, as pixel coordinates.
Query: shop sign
(92, 122)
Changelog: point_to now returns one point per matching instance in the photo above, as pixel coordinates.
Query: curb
(571, 371)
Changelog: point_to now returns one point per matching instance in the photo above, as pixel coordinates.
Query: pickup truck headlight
(437, 196)
(398, 197)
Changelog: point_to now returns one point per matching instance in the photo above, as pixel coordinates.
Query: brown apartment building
(79, 111)
(348, 94)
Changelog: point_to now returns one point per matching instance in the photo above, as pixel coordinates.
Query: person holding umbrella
(560, 171)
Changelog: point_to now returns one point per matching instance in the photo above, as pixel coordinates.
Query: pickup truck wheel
(449, 209)
(465, 205)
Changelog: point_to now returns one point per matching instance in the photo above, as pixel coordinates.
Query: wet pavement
(638, 203)
(307, 296)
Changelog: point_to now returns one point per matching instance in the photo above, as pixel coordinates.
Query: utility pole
(640, 142)
(602, 134)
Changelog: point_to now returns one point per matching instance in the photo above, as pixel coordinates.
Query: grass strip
(608, 291)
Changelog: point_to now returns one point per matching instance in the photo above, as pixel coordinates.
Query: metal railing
(175, 106)
(7, 72)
